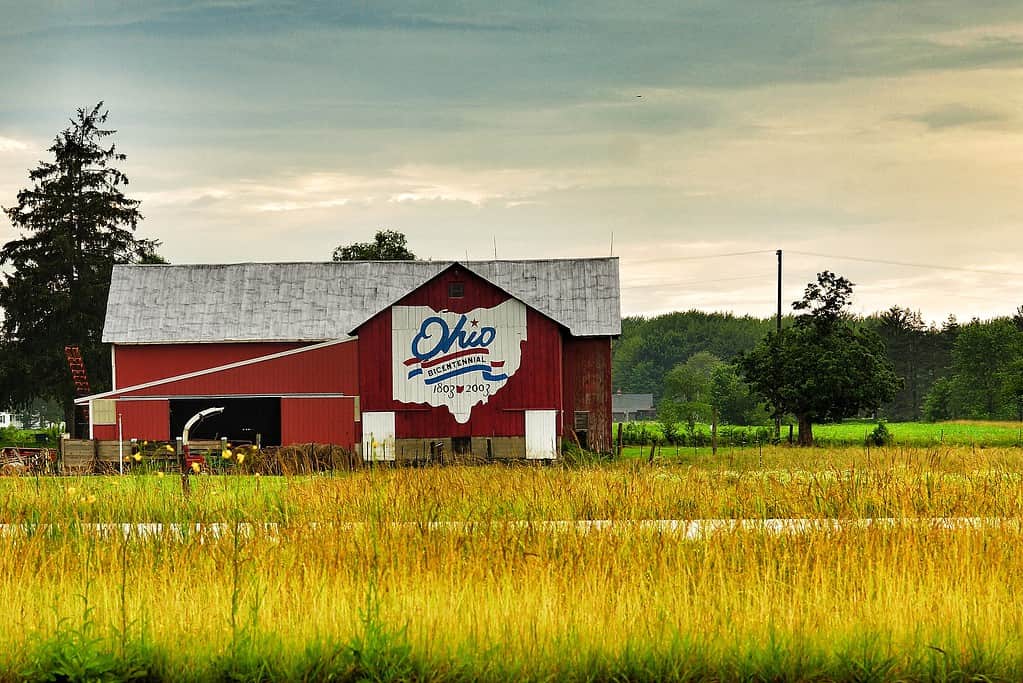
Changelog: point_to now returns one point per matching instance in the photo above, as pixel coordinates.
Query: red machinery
(17, 460)
(81, 381)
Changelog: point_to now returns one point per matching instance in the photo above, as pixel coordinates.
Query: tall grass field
(457, 573)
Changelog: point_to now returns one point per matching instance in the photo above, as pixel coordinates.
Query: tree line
(947, 371)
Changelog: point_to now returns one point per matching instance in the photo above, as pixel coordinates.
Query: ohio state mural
(456, 360)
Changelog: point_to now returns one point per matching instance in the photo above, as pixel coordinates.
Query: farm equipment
(81, 382)
(190, 462)
(17, 460)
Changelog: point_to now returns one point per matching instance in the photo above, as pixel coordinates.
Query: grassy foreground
(485, 600)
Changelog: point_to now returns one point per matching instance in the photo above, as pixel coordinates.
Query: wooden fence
(88, 456)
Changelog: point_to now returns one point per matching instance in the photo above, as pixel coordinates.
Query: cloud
(12, 145)
(958, 115)
(182, 196)
(301, 206)
(780, 123)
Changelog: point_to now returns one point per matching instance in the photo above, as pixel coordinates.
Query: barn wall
(318, 420)
(328, 370)
(143, 420)
(587, 378)
(138, 364)
(537, 385)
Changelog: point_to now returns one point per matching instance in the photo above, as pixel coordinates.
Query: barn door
(541, 434)
(378, 436)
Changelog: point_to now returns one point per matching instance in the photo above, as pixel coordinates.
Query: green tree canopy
(703, 385)
(387, 245)
(986, 374)
(650, 348)
(75, 223)
(919, 352)
(823, 367)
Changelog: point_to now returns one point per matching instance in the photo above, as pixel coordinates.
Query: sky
(671, 134)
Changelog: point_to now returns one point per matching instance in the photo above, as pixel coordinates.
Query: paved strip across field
(693, 529)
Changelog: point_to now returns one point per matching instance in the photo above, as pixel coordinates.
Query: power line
(696, 282)
(906, 263)
(700, 258)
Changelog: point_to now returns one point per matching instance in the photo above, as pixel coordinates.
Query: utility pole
(777, 420)
(779, 290)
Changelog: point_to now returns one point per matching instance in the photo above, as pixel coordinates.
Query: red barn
(401, 359)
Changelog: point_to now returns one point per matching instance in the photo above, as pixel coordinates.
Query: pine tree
(75, 223)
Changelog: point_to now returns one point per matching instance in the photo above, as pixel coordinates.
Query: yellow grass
(489, 600)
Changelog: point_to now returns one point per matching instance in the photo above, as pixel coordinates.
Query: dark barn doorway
(241, 420)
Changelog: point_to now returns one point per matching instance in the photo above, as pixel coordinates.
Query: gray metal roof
(155, 304)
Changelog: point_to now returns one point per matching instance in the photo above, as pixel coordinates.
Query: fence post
(186, 485)
(714, 431)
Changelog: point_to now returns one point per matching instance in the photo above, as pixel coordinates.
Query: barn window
(456, 290)
(581, 427)
(461, 445)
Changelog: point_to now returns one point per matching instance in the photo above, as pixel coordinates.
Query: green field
(455, 573)
(848, 433)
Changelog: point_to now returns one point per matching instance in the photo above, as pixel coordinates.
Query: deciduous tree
(387, 245)
(823, 367)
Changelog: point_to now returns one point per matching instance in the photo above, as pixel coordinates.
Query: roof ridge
(566, 259)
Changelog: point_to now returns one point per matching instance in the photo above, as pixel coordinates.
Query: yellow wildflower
(137, 457)
(240, 458)
(90, 500)
(195, 467)
(226, 455)
(71, 490)
(159, 474)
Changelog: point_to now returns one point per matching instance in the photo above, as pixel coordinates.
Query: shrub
(881, 436)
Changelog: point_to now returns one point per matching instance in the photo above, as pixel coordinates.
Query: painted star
(474, 322)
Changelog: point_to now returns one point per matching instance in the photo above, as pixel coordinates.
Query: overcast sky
(270, 131)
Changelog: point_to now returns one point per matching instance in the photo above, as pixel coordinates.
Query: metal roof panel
(161, 304)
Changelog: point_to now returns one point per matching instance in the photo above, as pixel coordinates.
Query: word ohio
(442, 353)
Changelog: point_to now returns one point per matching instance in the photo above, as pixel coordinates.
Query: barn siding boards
(535, 386)
(149, 420)
(328, 370)
(318, 420)
(292, 302)
(142, 363)
(587, 381)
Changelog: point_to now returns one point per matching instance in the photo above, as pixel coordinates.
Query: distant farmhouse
(9, 420)
(398, 359)
(632, 407)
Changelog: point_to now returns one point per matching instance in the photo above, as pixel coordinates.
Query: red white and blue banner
(457, 360)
